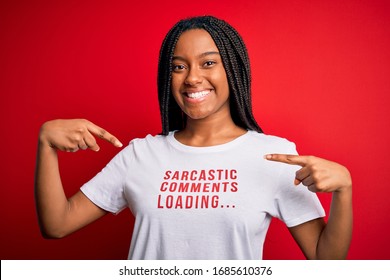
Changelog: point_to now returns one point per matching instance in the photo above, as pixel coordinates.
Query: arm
(317, 239)
(59, 216)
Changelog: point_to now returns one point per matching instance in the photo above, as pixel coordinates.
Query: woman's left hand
(317, 174)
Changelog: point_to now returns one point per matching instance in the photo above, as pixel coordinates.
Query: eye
(209, 63)
(178, 67)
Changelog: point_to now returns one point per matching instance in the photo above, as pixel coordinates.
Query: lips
(197, 94)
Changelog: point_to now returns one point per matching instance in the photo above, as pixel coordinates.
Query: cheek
(175, 83)
(220, 81)
(175, 87)
(218, 75)
(177, 98)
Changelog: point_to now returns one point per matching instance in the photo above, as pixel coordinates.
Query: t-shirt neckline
(216, 148)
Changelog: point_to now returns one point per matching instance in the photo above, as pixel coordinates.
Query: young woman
(208, 186)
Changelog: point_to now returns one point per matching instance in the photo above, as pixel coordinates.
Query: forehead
(195, 42)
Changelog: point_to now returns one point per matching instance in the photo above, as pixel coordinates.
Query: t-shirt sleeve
(295, 204)
(106, 189)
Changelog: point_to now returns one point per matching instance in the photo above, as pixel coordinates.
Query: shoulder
(149, 139)
(275, 144)
(149, 142)
(142, 148)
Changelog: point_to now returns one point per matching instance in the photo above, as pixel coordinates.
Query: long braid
(240, 76)
(169, 109)
(236, 63)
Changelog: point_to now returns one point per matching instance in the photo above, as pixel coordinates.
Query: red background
(320, 78)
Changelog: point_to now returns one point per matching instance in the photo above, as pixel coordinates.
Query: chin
(196, 117)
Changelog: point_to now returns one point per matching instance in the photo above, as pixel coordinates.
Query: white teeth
(199, 94)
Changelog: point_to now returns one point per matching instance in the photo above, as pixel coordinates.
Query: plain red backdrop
(320, 78)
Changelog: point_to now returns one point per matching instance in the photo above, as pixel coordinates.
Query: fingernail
(268, 156)
(119, 144)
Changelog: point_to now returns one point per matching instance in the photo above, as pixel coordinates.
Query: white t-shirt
(202, 202)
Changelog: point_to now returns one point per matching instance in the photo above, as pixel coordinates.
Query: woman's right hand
(74, 134)
(59, 216)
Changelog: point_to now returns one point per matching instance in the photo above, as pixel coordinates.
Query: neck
(209, 132)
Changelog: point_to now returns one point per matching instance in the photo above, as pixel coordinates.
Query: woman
(208, 186)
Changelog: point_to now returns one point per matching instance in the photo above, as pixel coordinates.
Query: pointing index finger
(104, 134)
(289, 159)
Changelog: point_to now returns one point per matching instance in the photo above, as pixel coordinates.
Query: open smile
(197, 94)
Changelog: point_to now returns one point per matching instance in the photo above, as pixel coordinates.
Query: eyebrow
(199, 56)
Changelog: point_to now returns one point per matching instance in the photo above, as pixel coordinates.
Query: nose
(194, 77)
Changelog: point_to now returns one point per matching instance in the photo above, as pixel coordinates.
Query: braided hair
(236, 63)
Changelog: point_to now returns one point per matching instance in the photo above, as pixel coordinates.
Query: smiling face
(199, 83)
